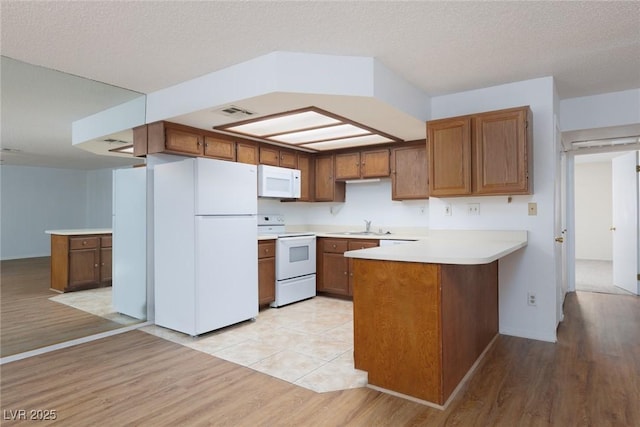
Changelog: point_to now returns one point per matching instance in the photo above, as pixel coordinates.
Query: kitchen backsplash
(371, 201)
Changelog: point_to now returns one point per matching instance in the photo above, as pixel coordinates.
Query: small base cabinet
(80, 262)
(419, 328)
(335, 270)
(266, 272)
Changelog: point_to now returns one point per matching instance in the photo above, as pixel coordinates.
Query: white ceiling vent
(234, 111)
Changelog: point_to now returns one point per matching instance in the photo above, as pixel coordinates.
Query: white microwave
(283, 183)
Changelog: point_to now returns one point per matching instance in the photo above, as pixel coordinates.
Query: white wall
(35, 199)
(99, 198)
(604, 110)
(533, 268)
(593, 208)
(371, 201)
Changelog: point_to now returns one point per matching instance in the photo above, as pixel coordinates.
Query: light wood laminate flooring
(28, 319)
(591, 376)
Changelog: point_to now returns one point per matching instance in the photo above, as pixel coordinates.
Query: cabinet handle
(102, 264)
(266, 250)
(351, 274)
(334, 246)
(95, 265)
(84, 242)
(345, 273)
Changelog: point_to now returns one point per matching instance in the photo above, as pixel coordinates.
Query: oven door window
(298, 253)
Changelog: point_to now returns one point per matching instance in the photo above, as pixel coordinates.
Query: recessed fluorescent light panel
(310, 128)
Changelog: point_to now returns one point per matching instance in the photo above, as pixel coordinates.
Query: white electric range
(295, 260)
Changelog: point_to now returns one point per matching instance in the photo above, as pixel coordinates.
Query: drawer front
(105, 242)
(266, 249)
(334, 245)
(362, 244)
(85, 242)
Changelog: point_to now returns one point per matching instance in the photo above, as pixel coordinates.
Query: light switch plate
(533, 209)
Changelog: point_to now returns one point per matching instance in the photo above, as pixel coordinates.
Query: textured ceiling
(441, 47)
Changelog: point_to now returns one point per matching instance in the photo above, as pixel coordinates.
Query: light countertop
(79, 231)
(456, 247)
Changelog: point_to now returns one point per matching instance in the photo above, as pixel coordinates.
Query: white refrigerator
(129, 222)
(205, 244)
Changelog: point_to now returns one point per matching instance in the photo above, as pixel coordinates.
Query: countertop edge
(80, 231)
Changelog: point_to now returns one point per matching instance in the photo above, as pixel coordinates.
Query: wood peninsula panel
(59, 262)
(419, 328)
(469, 318)
(396, 315)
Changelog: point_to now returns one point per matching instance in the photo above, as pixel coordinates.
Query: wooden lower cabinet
(266, 271)
(335, 275)
(419, 328)
(80, 262)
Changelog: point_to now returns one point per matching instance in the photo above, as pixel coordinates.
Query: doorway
(597, 207)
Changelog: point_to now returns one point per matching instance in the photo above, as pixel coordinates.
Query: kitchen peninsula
(80, 258)
(424, 312)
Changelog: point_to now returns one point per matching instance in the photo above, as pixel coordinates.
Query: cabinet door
(105, 265)
(266, 280)
(355, 245)
(269, 156)
(335, 274)
(247, 152)
(183, 142)
(449, 156)
(219, 148)
(374, 164)
(325, 183)
(288, 159)
(305, 165)
(409, 173)
(501, 155)
(84, 267)
(347, 166)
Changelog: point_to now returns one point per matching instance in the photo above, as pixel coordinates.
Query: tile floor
(309, 343)
(96, 302)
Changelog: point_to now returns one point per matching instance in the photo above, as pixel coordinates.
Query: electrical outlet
(531, 299)
(447, 209)
(473, 208)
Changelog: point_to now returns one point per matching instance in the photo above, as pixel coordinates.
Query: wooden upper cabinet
(449, 154)
(218, 148)
(271, 155)
(305, 164)
(409, 178)
(247, 152)
(183, 142)
(482, 154)
(140, 141)
(501, 150)
(374, 163)
(288, 159)
(326, 187)
(347, 166)
(362, 164)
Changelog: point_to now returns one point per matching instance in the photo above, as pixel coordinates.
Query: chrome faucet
(368, 225)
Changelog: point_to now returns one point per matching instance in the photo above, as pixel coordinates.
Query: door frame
(569, 191)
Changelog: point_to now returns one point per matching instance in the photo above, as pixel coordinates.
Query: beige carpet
(96, 302)
(596, 276)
